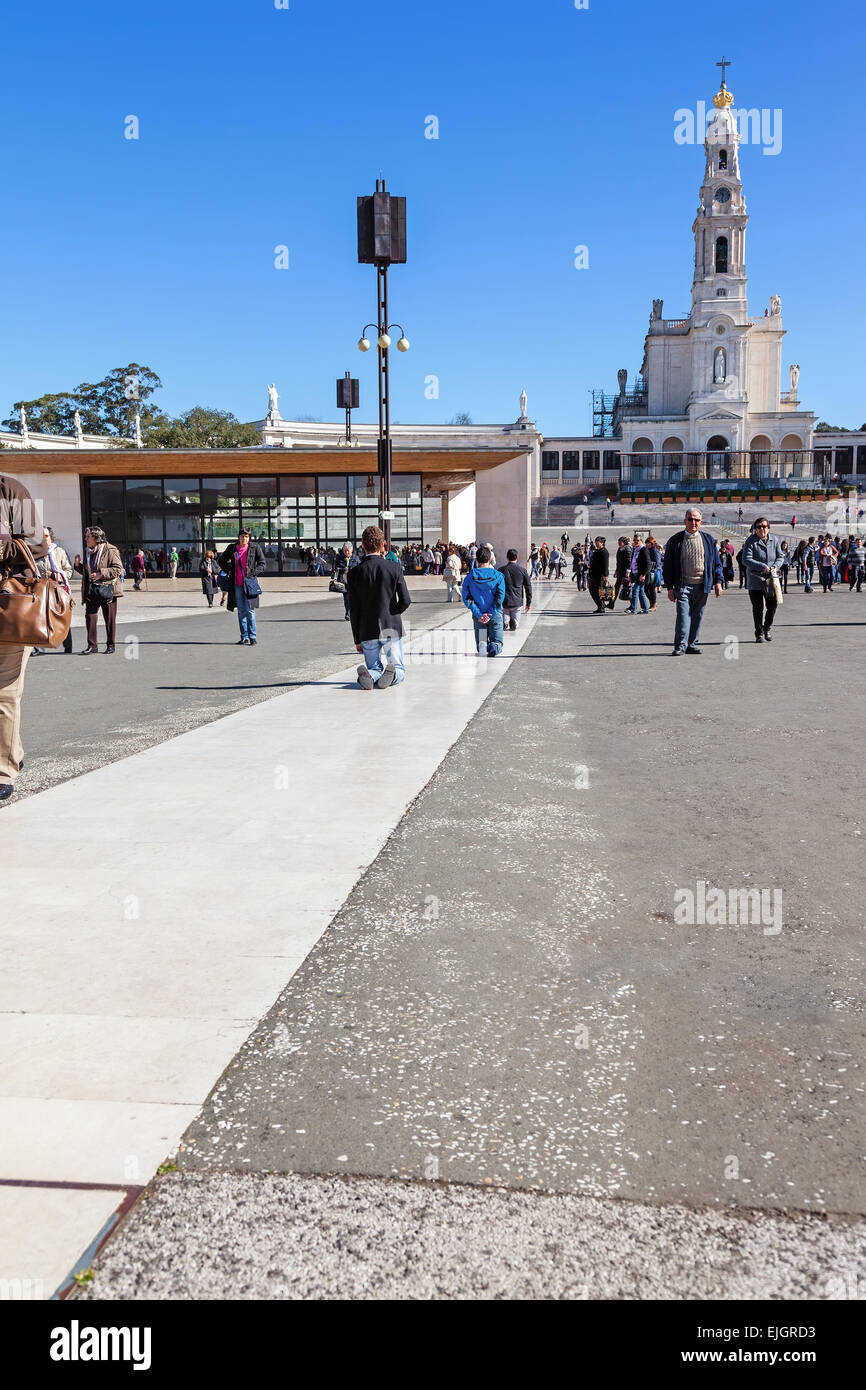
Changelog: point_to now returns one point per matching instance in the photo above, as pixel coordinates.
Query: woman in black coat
(244, 560)
(209, 568)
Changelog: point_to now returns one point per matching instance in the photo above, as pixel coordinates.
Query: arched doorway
(761, 461)
(718, 456)
(792, 457)
(642, 468)
(672, 457)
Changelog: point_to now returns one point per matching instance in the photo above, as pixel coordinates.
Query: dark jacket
(19, 520)
(256, 565)
(377, 597)
(623, 555)
(208, 569)
(599, 564)
(672, 566)
(517, 583)
(645, 563)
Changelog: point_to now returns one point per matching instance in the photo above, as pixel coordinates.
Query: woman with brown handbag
(101, 586)
(18, 521)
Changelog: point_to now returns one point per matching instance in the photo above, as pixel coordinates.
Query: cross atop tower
(725, 63)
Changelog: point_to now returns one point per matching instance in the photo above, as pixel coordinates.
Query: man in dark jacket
(622, 567)
(691, 568)
(599, 568)
(517, 585)
(377, 597)
(19, 520)
(243, 562)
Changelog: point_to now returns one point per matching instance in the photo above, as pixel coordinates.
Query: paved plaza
(389, 994)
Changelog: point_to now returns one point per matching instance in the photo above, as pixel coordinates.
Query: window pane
(143, 494)
(406, 485)
(331, 488)
(181, 492)
(364, 487)
(258, 487)
(183, 529)
(298, 487)
(106, 494)
(219, 494)
(221, 527)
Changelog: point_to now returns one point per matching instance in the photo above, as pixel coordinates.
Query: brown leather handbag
(34, 612)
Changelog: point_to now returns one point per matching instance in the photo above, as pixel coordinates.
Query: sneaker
(244, 642)
(253, 641)
(7, 791)
(109, 651)
(387, 678)
(89, 651)
(677, 651)
(365, 680)
(759, 636)
(694, 651)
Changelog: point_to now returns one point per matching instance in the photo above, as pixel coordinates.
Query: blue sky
(259, 126)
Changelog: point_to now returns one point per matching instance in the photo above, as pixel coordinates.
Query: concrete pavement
(506, 1030)
(170, 895)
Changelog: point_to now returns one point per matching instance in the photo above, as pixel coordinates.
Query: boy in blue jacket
(483, 594)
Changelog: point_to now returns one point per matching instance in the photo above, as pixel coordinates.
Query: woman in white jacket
(451, 572)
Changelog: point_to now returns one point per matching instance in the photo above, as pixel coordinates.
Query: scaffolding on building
(602, 414)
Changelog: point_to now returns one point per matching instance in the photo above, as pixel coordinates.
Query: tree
(461, 418)
(201, 428)
(106, 407)
(823, 428)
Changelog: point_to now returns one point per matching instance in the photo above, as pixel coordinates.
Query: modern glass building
(286, 513)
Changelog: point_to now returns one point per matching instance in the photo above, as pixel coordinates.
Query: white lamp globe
(403, 345)
(363, 344)
(384, 341)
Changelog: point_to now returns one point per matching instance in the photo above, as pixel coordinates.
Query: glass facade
(286, 514)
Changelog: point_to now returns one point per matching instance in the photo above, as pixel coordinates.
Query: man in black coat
(624, 553)
(517, 586)
(377, 597)
(243, 562)
(599, 568)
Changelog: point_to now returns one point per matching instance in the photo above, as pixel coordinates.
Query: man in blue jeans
(483, 594)
(377, 596)
(692, 566)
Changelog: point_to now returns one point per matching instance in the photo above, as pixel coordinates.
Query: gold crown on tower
(723, 98)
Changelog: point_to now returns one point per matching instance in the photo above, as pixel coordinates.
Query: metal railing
(772, 469)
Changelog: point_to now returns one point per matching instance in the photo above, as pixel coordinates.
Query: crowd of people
(371, 577)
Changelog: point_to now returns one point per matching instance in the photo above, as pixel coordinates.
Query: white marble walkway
(136, 962)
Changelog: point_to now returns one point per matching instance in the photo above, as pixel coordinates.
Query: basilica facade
(713, 399)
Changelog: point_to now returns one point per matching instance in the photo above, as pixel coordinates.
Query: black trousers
(763, 609)
(594, 594)
(108, 609)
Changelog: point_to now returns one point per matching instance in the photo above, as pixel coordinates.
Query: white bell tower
(720, 224)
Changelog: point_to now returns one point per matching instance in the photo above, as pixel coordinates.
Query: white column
(503, 506)
(458, 514)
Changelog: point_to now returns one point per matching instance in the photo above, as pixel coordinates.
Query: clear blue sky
(260, 126)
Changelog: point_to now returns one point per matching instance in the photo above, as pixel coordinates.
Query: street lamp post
(382, 242)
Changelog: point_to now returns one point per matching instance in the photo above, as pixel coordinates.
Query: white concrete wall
(458, 515)
(58, 499)
(502, 506)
